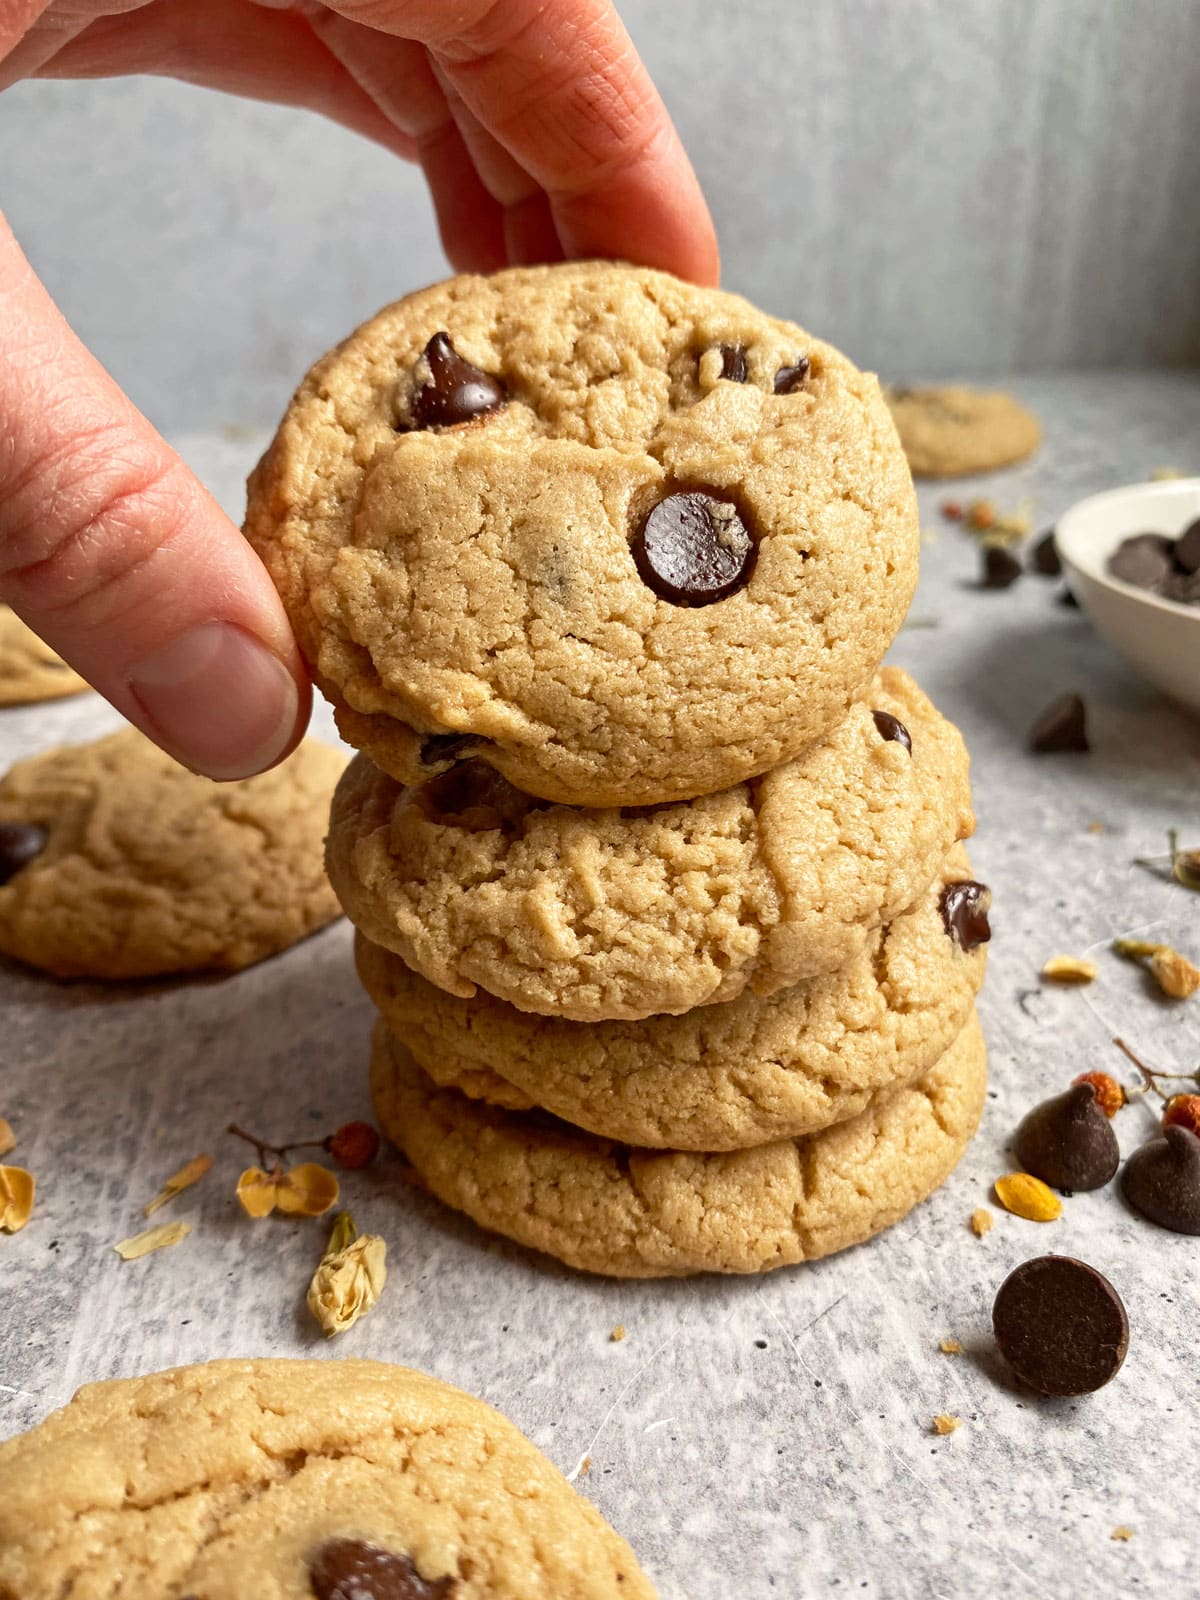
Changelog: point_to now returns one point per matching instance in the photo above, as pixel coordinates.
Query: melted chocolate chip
(1060, 1325)
(20, 842)
(693, 548)
(1162, 1180)
(1143, 560)
(891, 728)
(1187, 548)
(1046, 558)
(1061, 727)
(1068, 1141)
(789, 379)
(1001, 569)
(964, 907)
(474, 797)
(456, 391)
(733, 362)
(439, 747)
(349, 1569)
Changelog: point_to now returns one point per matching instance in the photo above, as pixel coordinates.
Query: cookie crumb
(943, 1423)
(950, 1347)
(1121, 1533)
(1097, 827)
(982, 1222)
(618, 1333)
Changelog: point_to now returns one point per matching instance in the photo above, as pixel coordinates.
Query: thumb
(118, 557)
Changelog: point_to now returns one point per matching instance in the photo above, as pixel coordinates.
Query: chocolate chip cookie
(301, 1480)
(623, 539)
(954, 430)
(30, 670)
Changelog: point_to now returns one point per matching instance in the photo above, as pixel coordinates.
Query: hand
(541, 137)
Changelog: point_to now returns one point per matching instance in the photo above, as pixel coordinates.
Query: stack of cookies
(657, 874)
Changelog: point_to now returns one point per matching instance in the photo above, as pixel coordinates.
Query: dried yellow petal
(1069, 969)
(144, 1244)
(350, 1278)
(1136, 949)
(946, 1424)
(8, 1139)
(187, 1175)
(256, 1190)
(618, 1333)
(982, 1222)
(307, 1191)
(1122, 1533)
(950, 1347)
(1028, 1197)
(1174, 973)
(17, 1189)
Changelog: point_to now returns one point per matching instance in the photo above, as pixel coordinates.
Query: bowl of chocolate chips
(1132, 559)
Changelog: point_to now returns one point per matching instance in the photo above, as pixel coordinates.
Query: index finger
(562, 89)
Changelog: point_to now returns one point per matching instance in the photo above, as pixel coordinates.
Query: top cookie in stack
(622, 539)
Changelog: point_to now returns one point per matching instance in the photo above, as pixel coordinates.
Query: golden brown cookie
(298, 1480)
(633, 1213)
(30, 670)
(954, 430)
(625, 539)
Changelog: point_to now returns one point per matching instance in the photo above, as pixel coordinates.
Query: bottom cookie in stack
(633, 1212)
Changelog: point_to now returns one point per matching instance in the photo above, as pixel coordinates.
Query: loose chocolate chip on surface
(692, 548)
(789, 379)
(891, 728)
(1144, 560)
(733, 362)
(1046, 559)
(964, 908)
(1062, 726)
(1060, 1325)
(348, 1569)
(438, 747)
(1068, 1141)
(456, 391)
(1162, 1180)
(20, 842)
(1187, 548)
(1001, 569)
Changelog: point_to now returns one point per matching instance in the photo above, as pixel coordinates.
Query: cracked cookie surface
(137, 867)
(29, 670)
(595, 914)
(260, 1478)
(494, 586)
(635, 1213)
(954, 430)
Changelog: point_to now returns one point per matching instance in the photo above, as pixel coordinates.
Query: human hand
(541, 136)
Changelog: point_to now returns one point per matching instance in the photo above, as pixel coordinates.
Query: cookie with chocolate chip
(29, 670)
(301, 1480)
(623, 539)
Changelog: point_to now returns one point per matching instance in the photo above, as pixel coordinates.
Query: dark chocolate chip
(1001, 569)
(476, 798)
(891, 728)
(1143, 560)
(20, 842)
(1068, 1141)
(1060, 1325)
(1062, 726)
(349, 1569)
(789, 379)
(693, 548)
(1066, 598)
(1181, 586)
(1187, 548)
(964, 907)
(1162, 1180)
(733, 362)
(456, 391)
(439, 747)
(1046, 558)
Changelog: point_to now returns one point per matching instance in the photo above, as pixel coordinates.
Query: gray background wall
(940, 186)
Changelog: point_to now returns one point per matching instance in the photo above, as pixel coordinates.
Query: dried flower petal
(1121, 1533)
(1069, 969)
(1174, 973)
(350, 1278)
(144, 1244)
(17, 1189)
(1028, 1197)
(8, 1139)
(1185, 864)
(187, 1175)
(307, 1191)
(950, 1347)
(618, 1333)
(982, 1223)
(1136, 949)
(946, 1424)
(256, 1191)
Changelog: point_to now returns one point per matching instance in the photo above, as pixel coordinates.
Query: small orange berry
(354, 1145)
(1183, 1111)
(952, 510)
(1110, 1096)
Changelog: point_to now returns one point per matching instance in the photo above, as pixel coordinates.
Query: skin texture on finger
(118, 557)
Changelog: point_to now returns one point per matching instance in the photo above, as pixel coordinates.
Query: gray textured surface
(771, 1433)
(938, 185)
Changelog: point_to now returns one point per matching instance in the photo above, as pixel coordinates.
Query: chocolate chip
(1187, 548)
(693, 548)
(964, 907)
(455, 391)
(1046, 558)
(349, 1569)
(1181, 586)
(1062, 726)
(1066, 598)
(1001, 569)
(1143, 560)
(1162, 1180)
(789, 379)
(1068, 1141)
(474, 797)
(891, 728)
(439, 747)
(733, 362)
(1060, 1325)
(20, 842)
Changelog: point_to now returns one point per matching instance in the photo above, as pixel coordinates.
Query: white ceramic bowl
(1160, 638)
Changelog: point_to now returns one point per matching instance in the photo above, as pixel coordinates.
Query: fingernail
(218, 700)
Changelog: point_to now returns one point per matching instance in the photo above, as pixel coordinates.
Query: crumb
(950, 1347)
(981, 1222)
(946, 1424)
(618, 1333)
(1122, 1534)
(1097, 827)
(585, 1466)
